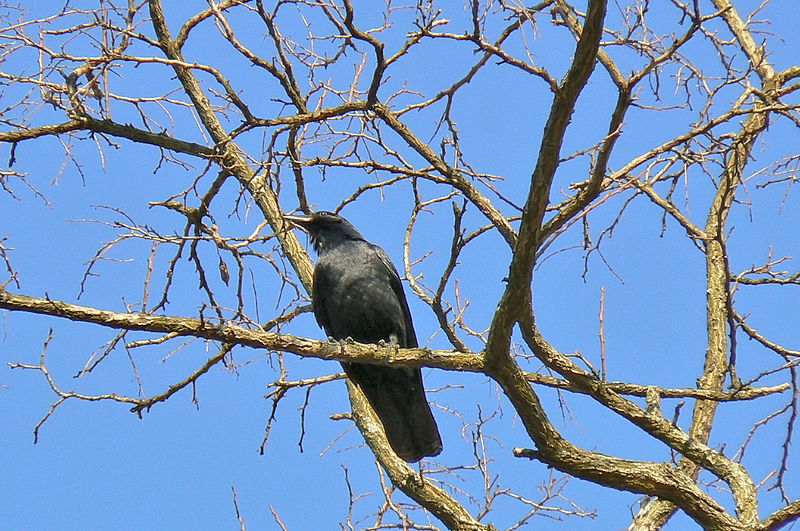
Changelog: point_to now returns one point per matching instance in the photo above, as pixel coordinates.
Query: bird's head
(326, 229)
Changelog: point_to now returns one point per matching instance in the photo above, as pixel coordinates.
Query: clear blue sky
(98, 466)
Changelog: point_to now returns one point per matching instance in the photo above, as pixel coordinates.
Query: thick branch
(652, 422)
(636, 476)
(112, 128)
(755, 53)
(516, 298)
(433, 498)
(443, 359)
(232, 157)
(227, 333)
(718, 303)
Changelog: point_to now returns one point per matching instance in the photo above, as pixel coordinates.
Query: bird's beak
(301, 222)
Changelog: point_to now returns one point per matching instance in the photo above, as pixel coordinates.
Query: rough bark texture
(281, 148)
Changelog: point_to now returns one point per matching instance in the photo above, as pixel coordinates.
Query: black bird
(357, 294)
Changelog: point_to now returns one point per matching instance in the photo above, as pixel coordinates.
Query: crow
(357, 294)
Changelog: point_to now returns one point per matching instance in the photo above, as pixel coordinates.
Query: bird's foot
(343, 343)
(391, 346)
(415, 478)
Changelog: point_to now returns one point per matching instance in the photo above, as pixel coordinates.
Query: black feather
(357, 293)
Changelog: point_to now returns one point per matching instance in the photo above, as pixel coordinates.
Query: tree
(628, 167)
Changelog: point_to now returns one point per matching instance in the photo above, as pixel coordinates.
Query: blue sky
(98, 466)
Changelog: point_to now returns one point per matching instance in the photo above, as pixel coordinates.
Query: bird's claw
(342, 343)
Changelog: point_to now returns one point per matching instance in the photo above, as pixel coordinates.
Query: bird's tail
(398, 398)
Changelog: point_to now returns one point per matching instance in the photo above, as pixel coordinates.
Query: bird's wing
(397, 288)
(318, 289)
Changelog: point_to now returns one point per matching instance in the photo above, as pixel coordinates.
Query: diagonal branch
(451, 174)
(430, 496)
(112, 128)
(232, 158)
(517, 296)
